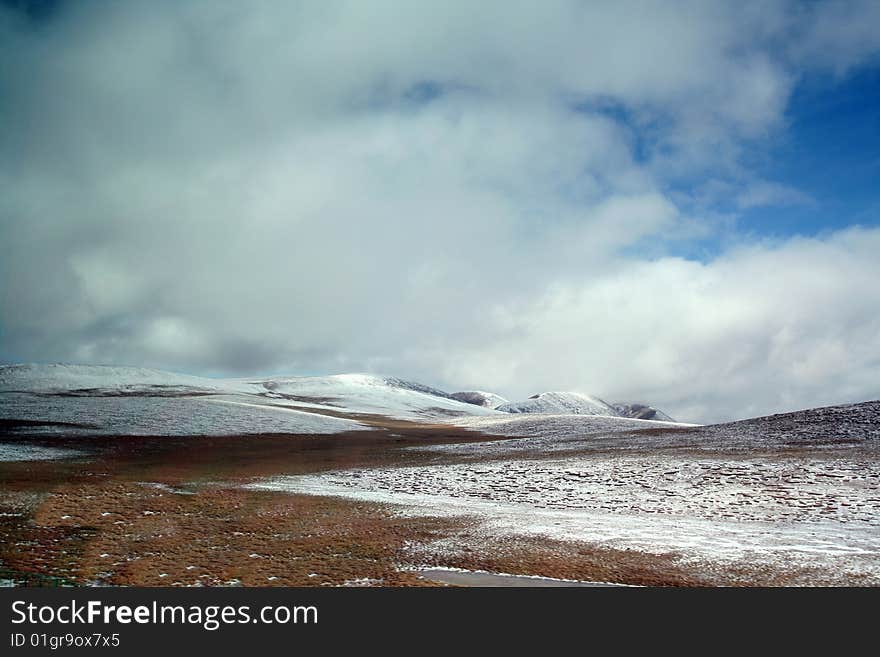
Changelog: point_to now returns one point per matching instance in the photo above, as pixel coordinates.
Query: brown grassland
(142, 511)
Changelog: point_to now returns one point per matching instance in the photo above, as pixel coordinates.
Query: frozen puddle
(455, 577)
(812, 512)
(16, 452)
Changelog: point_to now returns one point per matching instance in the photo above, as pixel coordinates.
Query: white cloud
(428, 189)
(763, 329)
(837, 35)
(764, 193)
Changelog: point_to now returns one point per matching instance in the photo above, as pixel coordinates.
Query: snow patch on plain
(17, 452)
(811, 510)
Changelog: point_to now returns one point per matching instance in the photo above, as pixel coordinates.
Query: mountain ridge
(357, 392)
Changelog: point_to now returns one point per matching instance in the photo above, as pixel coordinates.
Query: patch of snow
(362, 581)
(22, 452)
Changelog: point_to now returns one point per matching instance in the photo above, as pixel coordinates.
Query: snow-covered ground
(546, 433)
(163, 416)
(812, 512)
(831, 425)
(800, 490)
(817, 427)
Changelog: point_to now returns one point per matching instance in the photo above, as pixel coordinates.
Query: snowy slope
(560, 403)
(641, 412)
(851, 424)
(538, 432)
(366, 393)
(314, 404)
(152, 415)
(574, 403)
(137, 401)
(480, 398)
(347, 393)
(848, 424)
(97, 380)
(793, 495)
(814, 514)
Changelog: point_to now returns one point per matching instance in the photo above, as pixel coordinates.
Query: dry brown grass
(218, 536)
(104, 520)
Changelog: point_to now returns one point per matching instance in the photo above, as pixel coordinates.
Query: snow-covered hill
(852, 424)
(785, 496)
(480, 398)
(97, 380)
(138, 401)
(369, 394)
(560, 403)
(641, 412)
(574, 403)
(856, 425)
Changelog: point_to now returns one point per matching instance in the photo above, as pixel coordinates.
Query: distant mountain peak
(369, 393)
(642, 412)
(575, 403)
(560, 403)
(479, 398)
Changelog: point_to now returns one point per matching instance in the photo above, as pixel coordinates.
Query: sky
(673, 203)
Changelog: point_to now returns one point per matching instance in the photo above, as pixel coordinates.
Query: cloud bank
(477, 196)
